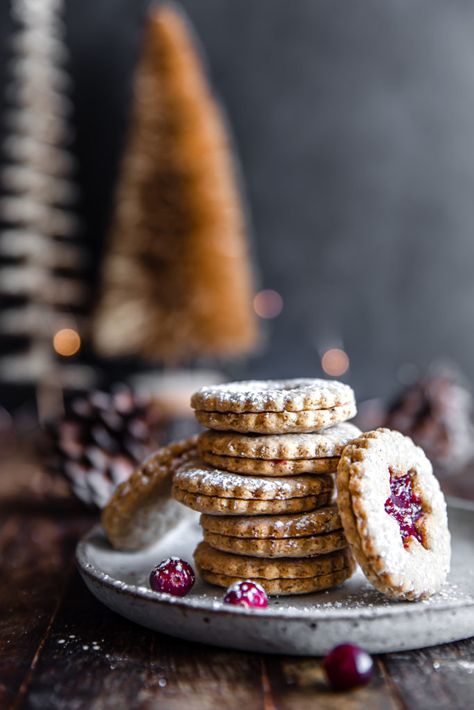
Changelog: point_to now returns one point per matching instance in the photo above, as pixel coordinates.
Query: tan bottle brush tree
(177, 280)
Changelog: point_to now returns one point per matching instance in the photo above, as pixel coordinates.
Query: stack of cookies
(264, 481)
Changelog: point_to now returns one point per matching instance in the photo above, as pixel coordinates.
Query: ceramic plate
(307, 625)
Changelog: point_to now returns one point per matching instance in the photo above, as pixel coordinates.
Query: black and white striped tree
(41, 261)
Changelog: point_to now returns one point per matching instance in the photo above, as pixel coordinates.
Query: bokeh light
(268, 303)
(335, 362)
(67, 342)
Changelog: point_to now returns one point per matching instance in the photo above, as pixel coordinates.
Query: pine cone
(100, 441)
(436, 412)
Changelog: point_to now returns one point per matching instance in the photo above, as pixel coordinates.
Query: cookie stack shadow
(263, 481)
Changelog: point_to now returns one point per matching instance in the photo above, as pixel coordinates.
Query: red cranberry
(348, 666)
(174, 576)
(246, 593)
(405, 506)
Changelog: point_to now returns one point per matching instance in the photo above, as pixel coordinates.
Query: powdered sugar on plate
(308, 624)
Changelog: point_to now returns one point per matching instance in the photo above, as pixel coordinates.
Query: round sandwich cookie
(218, 492)
(214, 505)
(249, 567)
(314, 522)
(277, 576)
(276, 422)
(278, 547)
(141, 509)
(204, 480)
(394, 514)
(293, 395)
(284, 586)
(276, 467)
(276, 455)
(274, 406)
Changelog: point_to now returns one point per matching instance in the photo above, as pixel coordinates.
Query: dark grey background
(354, 122)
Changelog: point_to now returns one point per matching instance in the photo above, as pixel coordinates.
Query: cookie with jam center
(394, 514)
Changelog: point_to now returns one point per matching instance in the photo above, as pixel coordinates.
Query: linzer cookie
(276, 455)
(141, 509)
(218, 492)
(249, 567)
(204, 480)
(277, 576)
(238, 506)
(283, 467)
(315, 522)
(272, 396)
(285, 586)
(276, 422)
(274, 406)
(394, 514)
(299, 535)
(282, 547)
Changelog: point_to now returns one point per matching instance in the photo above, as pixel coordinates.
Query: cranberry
(246, 593)
(174, 576)
(348, 666)
(405, 506)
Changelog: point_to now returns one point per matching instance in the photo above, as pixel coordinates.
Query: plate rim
(98, 576)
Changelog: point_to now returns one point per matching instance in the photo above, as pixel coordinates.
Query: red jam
(405, 506)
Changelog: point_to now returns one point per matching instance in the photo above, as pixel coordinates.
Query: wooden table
(60, 648)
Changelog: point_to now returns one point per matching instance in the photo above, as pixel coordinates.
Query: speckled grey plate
(306, 625)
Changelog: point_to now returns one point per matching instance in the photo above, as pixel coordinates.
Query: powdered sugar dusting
(356, 598)
(398, 569)
(323, 444)
(309, 624)
(212, 481)
(246, 593)
(273, 395)
(314, 522)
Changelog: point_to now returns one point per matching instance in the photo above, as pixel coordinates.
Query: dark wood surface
(61, 649)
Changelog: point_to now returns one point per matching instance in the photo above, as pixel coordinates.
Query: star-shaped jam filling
(405, 506)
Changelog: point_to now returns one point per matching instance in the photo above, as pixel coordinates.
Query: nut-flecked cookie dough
(328, 443)
(214, 505)
(294, 395)
(307, 574)
(276, 422)
(278, 547)
(141, 509)
(204, 480)
(284, 586)
(315, 522)
(249, 567)
(276, 454)
(262, 467)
